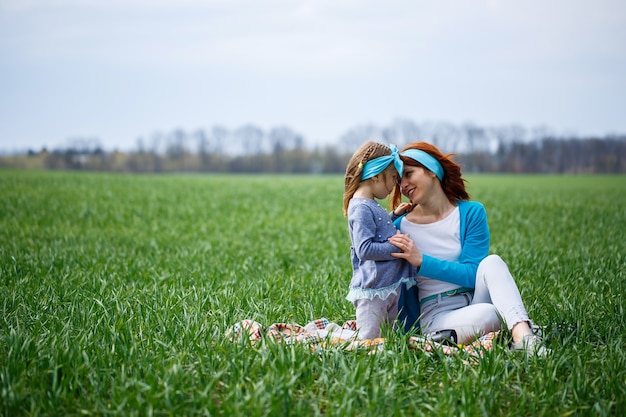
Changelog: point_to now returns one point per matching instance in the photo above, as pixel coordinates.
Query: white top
(442, 240)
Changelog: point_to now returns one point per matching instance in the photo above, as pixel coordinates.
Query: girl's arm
(366, 243)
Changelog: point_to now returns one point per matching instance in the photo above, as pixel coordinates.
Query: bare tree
(204, 151)
(283, 139)
(354, 137)
(219, 135)
(251, 137)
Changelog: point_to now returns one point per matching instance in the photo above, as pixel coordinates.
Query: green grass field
(116, 292)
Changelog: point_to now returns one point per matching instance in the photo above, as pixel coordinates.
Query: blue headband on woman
(426, 159)
(377, 165)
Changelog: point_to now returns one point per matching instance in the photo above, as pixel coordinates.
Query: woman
(446, 237)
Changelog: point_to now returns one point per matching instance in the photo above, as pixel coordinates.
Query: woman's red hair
(453, 183)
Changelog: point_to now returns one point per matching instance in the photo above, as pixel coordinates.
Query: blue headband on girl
(426, 159)
(377, 165)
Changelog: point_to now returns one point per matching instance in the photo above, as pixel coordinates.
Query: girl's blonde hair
(366, 152)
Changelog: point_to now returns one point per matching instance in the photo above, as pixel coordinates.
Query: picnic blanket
(322, 334)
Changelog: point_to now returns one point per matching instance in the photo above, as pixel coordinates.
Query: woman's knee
(491, 263)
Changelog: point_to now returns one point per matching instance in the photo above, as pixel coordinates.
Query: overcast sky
(123, 69)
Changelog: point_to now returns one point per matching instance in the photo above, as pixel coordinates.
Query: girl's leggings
(371, 314)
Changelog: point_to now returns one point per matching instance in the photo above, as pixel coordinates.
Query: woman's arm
(474, 248)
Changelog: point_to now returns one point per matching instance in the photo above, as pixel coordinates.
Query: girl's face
(387, 182)
(417, 183)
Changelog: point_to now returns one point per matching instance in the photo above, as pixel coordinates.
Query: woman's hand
(409, 250)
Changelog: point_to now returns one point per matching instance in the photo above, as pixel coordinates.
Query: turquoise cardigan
(474, 248)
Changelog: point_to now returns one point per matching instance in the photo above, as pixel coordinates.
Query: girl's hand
(409, 250)
(403, 208)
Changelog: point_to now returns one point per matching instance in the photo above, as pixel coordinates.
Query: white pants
(496, 298)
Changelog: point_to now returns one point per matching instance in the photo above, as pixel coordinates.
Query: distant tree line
(250, 149)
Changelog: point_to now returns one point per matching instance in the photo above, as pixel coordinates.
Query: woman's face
(417, 183)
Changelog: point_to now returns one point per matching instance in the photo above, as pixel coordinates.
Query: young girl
(373, 173)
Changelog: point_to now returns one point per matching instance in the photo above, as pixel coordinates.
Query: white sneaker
(533, 345)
